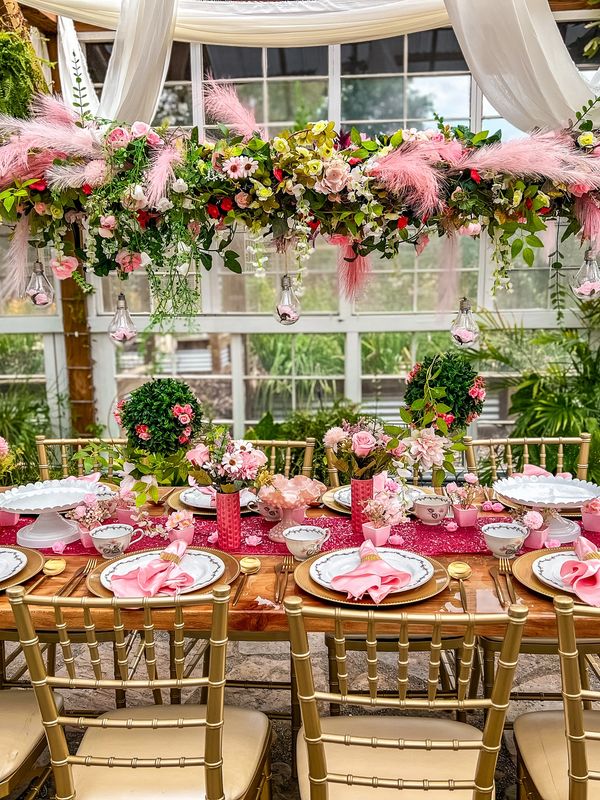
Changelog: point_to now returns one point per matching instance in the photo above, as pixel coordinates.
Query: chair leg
(205, 670)
(175, 693)
(489, 668)
(120, 694)
(585, 679)
(51, 659)
(265, 788)
(3, 675)
(334, 684)
(296, 716)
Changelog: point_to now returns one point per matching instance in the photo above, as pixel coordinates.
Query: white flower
(179, 186)
(232, 463)
(240, 166)
(164, 204)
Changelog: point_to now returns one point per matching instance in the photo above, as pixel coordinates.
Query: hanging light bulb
(39, 289)
(464, 329)
(585, 284)
(287, 310)
(121, 328)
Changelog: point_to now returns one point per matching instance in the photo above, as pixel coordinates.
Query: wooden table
(267, 622)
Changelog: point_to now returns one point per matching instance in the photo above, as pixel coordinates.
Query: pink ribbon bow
(162, 575)
(530, 470)
(373, 576)
(583, 576)
(209, 490)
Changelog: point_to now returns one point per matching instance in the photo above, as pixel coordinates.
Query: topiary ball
(161, 416)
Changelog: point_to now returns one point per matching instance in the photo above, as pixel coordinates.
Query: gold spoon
(461, 572)
(52, 566)
(249, 565)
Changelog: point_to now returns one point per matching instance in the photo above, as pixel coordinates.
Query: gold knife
(511, 588)
(496, 578)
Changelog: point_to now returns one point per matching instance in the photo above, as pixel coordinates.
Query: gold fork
(76, 579)
(505, 568)
(286, 568)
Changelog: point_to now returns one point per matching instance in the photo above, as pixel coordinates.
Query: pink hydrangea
(426, 448)
(199, 455)
(470, 477)
(333, 437)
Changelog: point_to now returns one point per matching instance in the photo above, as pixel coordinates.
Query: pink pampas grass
(53, 109)
(587, 212)
(15, 278)
(65, 176)
(353, 270)
(40, 135)
(407, 172)
(223, 105)
(36, 167)
(160, 173)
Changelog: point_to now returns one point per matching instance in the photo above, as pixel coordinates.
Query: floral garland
(166, 201)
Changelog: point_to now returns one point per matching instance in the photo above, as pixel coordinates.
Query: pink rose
(451, 527)
(183, 439)
(59, 546)
(487, 506)
(109, 221)
(242, 199)
(474, 392)
(533, 520)
(129, 262)
(153, 139)
(395, 539)
(497, 507)
(253, 540)
(139, 129)
(363, 443)
(470, 477)
(335, 177)
(470, 229)
(199, 455)
(421, 244)
(452, 487)
(184, 419)
(143, 432)
(399, 450)
(213, 538)
(579, 189)
(40, 208)
(117, 138)
(64, 266)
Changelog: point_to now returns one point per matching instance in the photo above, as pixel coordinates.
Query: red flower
(39, 185)
(529, 202)
(354, 161)
(544, 210)
(143, 218)
(402, 222)
(226, 204)
(278, 173)
(313, 224)
(475, 176)
(213, 211)
(86, 188)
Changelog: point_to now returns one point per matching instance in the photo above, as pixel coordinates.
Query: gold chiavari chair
(218, 752)
(60, 456)
(362, 756)
(559, 753)
(275, 449)
(506, 456)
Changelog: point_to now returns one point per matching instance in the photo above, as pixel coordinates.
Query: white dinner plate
(547, 491)
(12, 561)
(547, 569)
(323, 570)
(205, 568)
(343, 496)
(196, 499)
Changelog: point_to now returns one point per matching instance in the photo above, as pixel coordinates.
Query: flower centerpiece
(536, 522)
(228, 465)
(7, 463)
(382, 512)
(590, 515)
(359, 451)
(463, 500)
(91, 512)
(180, 525)
(291, 496)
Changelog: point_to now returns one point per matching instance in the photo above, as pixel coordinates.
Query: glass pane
(431, 124)
(385, 353)
(428, 343)
(268, 355)
(509, 131)
(373, 98)
(530, 289)
(384, 55)
(382, 397)
(318, 354)
(136, 291)
(268, 394)
(174, 105)
(440, 291)
(97, 56)
(391, 291)
(448, 96)
(179, 65)
(297, 100)
(297, 61)
(318, 392)
(435, 51)
(21, 354)
(576, 36)
(251, 95)
(232, 62)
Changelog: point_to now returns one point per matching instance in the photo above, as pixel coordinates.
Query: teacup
(431, 510)
(304, 541)
(504, 539)
(112, 540)
(268, 512)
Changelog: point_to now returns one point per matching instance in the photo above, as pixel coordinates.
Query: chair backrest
(509, 455)
(574, 696)
(283, 459)
(404, 624)
(61, 456)
(82, 613)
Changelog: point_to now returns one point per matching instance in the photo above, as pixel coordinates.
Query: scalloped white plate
(54, 495)
(547, 491)
(339, 562)
(12, 561)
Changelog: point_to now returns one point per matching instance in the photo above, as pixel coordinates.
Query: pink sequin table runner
(419, 538)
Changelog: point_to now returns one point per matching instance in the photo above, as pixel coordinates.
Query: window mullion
(335, 83)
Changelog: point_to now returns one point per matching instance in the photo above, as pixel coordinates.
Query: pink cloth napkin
(209, 490)
(379, 482)
(583, 576)
(530, 470)
(373, 575)
(162, 575)
(93, 478)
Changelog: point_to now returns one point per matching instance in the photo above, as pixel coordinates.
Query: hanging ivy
(20, 74)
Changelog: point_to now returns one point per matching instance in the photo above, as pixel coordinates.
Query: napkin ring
(371, 557)
(171, 557)
(592, 555)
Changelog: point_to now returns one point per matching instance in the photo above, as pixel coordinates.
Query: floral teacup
(431, 510)
(304, 541)
(504, 539)
(112, 540)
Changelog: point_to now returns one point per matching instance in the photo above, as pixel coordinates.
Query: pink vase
(378, 536)
(290, 517)
(465, 517)
(84, 535)
(536, 539)
(8, 519)
(229, 520)
(591, 522)
(185, 535)
(125, 516)
(361, 490)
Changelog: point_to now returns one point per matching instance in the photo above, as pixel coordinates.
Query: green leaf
(355, 137)
(206, 259)
(528, 256)
(370, 145)
(428, 418)
(232, 262)
(479, 137)
(516, 247)
(442, 425)
(405, 415)
(397, 139)
(534, 240)
(418, 405)
(442, 408)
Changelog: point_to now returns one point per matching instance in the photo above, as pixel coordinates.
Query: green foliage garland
(20, 75)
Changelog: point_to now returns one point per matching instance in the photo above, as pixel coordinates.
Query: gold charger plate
(174, 502)
(232, 569)
(523, 572)
(35, 561)
(329, 500)
(434, 585)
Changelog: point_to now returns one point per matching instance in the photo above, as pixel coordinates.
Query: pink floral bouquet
(92, 511)
(359, 450)
(385, 509)
(464, 496)
(290, 493)
(425, 448)
(592, 506)
(225, 463)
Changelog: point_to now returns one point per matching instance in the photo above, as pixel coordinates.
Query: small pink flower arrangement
(533, 520)
(92, 511)
(592, 506)
(179, 521)
(290, 493)
(464, 496)
(359, 450)
(385, 509)
(225, 463)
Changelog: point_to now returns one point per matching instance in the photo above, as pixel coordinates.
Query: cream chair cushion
(21, 729)
(391, 763)
(245, 738)
(542, 743)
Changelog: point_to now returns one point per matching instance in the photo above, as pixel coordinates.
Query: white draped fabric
(41, 51)
(517, 55)
(272, 24)
(70, 51)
